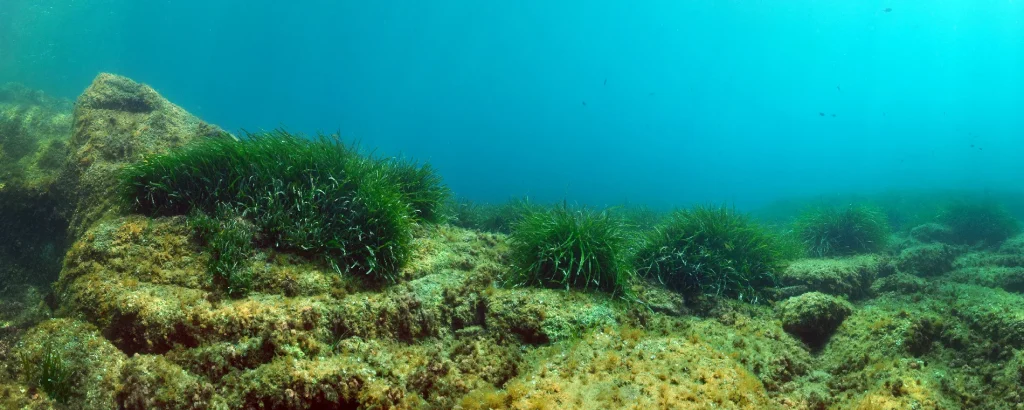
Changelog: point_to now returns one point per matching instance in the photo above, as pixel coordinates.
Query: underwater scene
(706, 204)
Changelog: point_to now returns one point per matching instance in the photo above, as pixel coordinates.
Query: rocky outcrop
(813, 317)
(118, 121)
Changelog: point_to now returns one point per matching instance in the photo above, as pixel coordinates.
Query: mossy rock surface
(849, 277)
(620, 369)
(899, 283)
(945, 347)
(813, 317)
(142, 282)
(334, 342)
(1010, 279)
(927, 260)
(981, 259)
(151, 382)
(93, 362)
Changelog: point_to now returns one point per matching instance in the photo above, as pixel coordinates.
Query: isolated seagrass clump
(315, 197)
(571, 248)
(713, 251)
(983, 223)
(831, 231)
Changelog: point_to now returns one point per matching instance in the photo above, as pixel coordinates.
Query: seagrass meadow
(185, 267)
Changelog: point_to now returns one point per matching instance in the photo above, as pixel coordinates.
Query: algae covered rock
(76, 354)
(932, 232)
(34, 129)
(813, 316)
(151, 382)
(1013, 246)
(117, 121)
(1010, 279)
(899, 283)
(544, 316)
(927, 260)
(621, 369)
(849, 277)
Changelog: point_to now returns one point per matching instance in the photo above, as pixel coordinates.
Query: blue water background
(600, 102)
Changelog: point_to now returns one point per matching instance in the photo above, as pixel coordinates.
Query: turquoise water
(664, 103)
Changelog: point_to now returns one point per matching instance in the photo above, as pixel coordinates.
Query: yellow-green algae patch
(632, 368)
(94, 362)
(152, 382)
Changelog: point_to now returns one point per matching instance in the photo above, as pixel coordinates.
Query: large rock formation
(117, 121)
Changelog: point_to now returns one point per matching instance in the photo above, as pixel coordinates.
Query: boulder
(927, 260)
(118, 121)
(813, 317)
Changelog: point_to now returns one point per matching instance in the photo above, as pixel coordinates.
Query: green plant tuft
(422, 187)
(51, 374)
(230, 241)
(571, 248)
(317, 197)
(979, 222)
(712, 250)
(830, 231)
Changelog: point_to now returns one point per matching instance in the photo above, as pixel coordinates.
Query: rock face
(118, 121)
(813, 317)
(34, 130)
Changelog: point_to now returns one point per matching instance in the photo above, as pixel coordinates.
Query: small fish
(821, 114)
(605, 82)
(887, 9)
(833, 115)
(972, 145)
(584, 103)
(840, 89)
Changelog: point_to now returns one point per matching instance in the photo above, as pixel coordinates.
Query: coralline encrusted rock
(927, 260)
(117, 121)
(813, 317)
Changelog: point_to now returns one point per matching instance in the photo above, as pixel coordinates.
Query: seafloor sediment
(132, 319)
